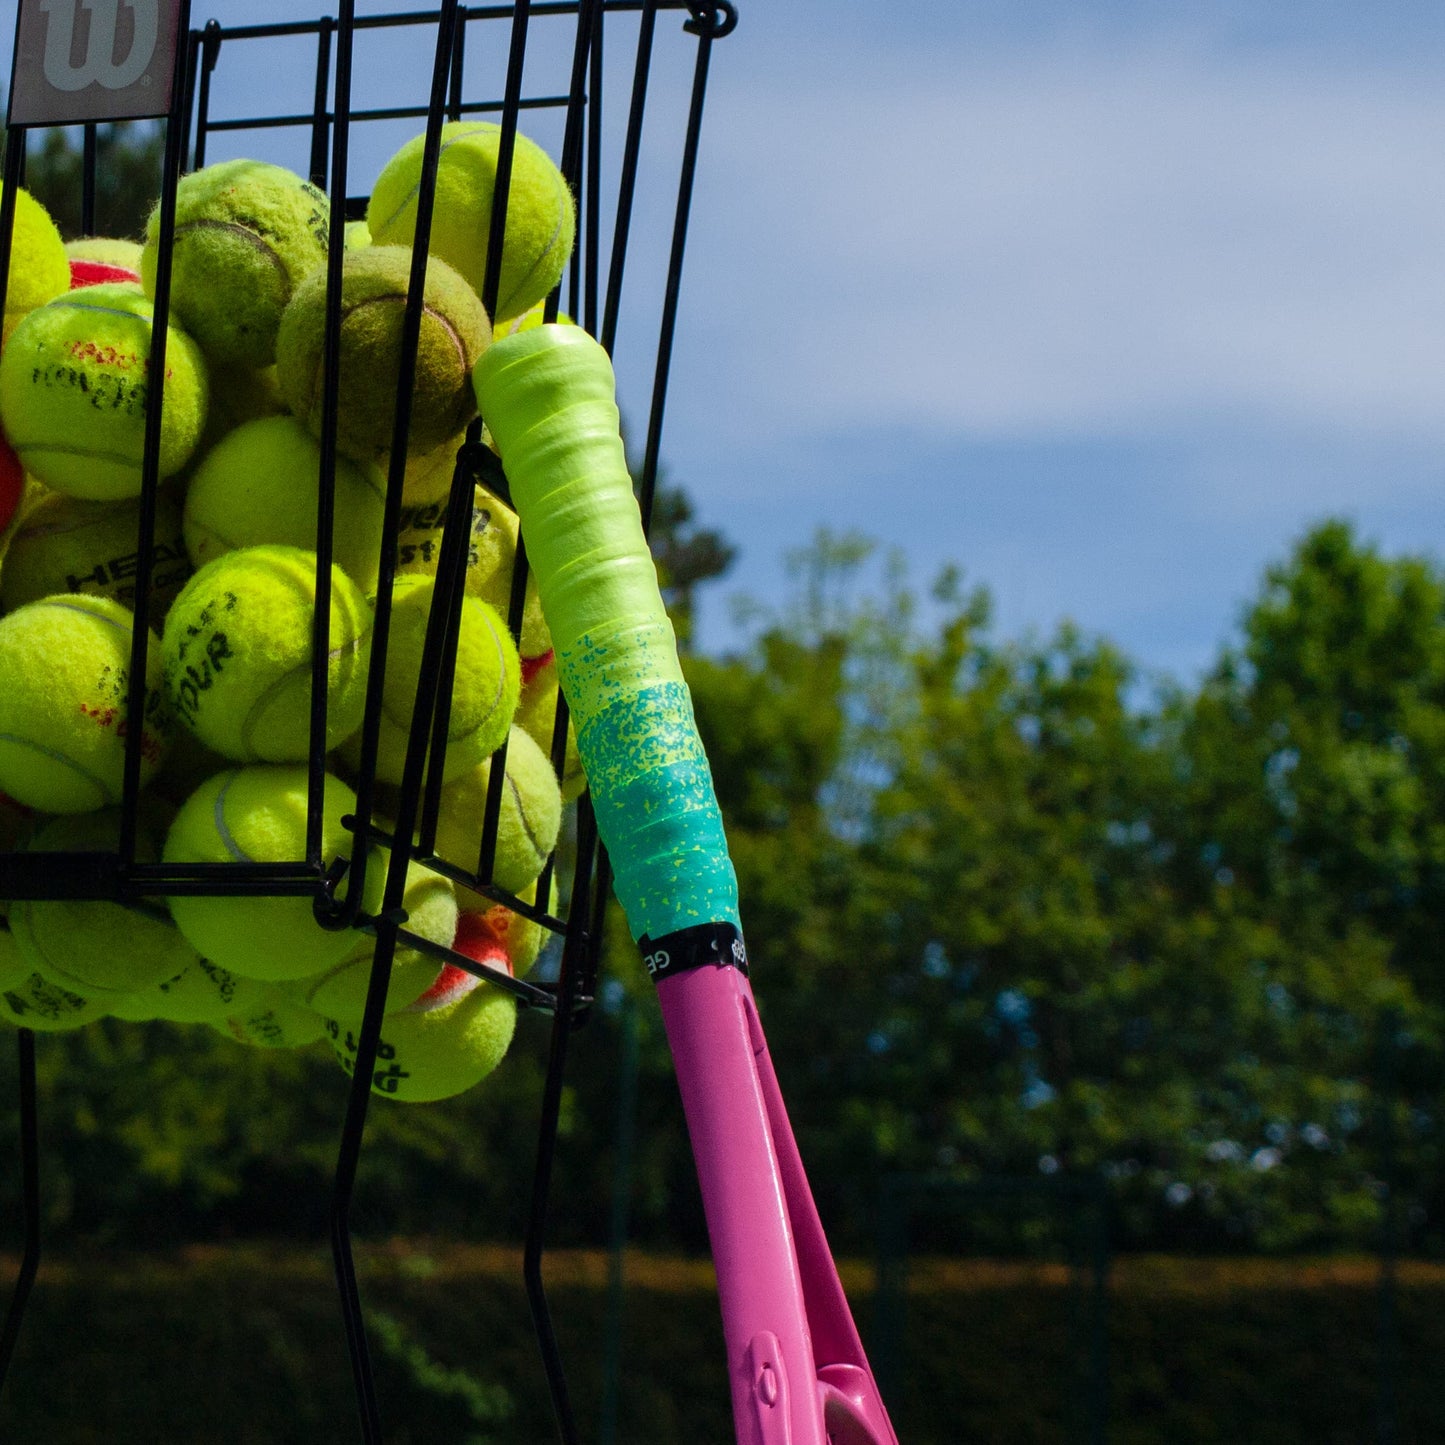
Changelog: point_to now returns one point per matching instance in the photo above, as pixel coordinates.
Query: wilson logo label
(79, 60)
(101, 66)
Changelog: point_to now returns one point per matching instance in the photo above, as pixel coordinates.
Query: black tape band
(689, 948)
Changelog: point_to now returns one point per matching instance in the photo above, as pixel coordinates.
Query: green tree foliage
(127, 177)
(1008, 913)
(1007, 919)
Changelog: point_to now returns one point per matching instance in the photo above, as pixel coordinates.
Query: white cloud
(1072, 239)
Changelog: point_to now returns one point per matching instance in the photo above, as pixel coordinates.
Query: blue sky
(1106, 304)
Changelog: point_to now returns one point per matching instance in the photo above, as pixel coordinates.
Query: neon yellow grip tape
(548, 397)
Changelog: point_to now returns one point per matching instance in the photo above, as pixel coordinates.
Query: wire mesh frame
(120, 876)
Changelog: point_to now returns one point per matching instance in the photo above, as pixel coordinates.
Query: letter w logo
(100, 66)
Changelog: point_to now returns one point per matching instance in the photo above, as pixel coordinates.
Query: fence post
(1387, 1420)
(622, 1169)
(890, 1301)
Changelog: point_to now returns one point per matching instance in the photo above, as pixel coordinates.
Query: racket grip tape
(548, 397)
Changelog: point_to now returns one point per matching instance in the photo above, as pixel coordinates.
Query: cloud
(1073, 238)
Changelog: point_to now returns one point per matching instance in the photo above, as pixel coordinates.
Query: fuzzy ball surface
(374, 287)
(74, 392)
(64, 704)
(541, 217)
(485, 688)
(261, 484)
(258, 814)
(247, 233)
(237, 654)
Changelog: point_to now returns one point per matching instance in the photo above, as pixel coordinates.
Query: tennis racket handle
(549, 398)
(771, 1368)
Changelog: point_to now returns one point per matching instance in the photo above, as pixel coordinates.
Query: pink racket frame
(796, 1365)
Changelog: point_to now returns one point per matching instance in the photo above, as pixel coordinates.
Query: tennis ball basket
(411, 706)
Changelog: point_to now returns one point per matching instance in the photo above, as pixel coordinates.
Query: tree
(127, 177)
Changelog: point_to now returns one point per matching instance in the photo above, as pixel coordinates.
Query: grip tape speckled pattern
(549, 398)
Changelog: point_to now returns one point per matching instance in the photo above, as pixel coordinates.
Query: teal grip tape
(548, 397)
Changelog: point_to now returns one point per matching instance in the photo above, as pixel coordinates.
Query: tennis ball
(445, 1042)
(236, 654)
(537, 717)
(480, 931)
(272, 1020)
(484, 691)
(247, 233)
(541, 216)
(490, 576)
(527, 826)
(237, 397)
(105, 251)
(66, 544)
(73, 392)
(64, 686)
(428, 475)
(258, 815)
(261, 483)
(492, 553)
(93, 273)
(47, 1008)
(454, 333)
(95, 947)
(200, 993)
(339, 992)
(357, 235)
(14, 966)
(39, 267)
(529, 320)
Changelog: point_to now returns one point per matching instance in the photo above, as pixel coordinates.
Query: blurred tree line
(1008, 912)
(1013, 908)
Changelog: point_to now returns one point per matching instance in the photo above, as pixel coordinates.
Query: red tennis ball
(93, 273)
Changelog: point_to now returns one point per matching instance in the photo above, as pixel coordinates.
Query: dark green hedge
(244, 1345)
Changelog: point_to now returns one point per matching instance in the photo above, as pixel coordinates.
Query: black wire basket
(601, 151)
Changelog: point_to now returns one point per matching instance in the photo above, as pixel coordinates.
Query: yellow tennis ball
(237, 654)
(495, 531)
(201, 993)
(39, 267)
(541, 216)
(527, 826)
(47, 1008)
(74, 392)
(530, 320)
(14, 966)
(247, 233)
(105, 251)
(272, 1020)
(64, 699)
(428, 476)
(537, 717)
(484, 693)
(95, 947)
(339, 992)
(492, 552)
(261, 483)
(238, 396)
(67, 544)
(258, 815)
(444, 1043)
(374, 281)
